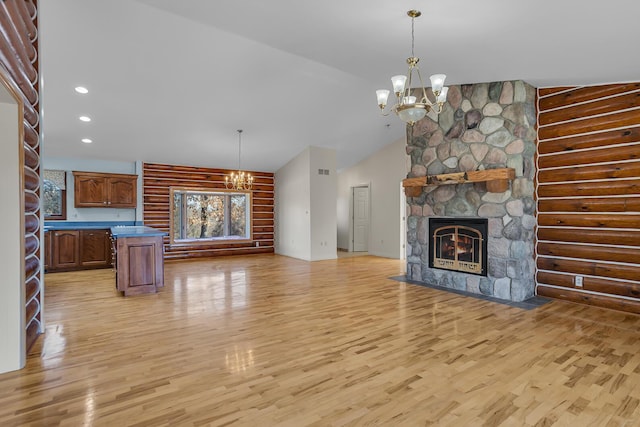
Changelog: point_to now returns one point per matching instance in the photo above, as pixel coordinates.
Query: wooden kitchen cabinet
(95, 249)
(65, 250)
(104, 190)
(139, 264)
(68, 250)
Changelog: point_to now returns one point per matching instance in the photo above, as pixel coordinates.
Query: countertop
(135, 231)
(85, 225)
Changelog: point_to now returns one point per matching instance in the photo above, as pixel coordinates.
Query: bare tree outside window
(199, 215)
(53, 201)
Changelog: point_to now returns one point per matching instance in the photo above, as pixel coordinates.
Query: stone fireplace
(482, 126)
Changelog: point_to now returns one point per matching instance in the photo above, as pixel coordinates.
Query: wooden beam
(497, 180)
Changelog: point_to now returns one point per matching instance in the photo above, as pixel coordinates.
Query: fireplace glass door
(458, 244)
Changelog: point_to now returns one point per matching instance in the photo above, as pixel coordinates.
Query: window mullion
(227, 215)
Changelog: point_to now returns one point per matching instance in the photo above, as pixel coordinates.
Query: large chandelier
(239, 180)
(407, 107)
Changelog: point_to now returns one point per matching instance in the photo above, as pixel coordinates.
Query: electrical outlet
(578, 281)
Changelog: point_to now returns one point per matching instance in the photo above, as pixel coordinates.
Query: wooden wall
(19, 62)
(157, 181)
(589, 194)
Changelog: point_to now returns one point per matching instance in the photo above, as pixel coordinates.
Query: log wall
(19, 63)
(588, 195)
(157, 182)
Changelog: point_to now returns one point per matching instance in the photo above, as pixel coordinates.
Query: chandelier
(239, 180)
(407, 106)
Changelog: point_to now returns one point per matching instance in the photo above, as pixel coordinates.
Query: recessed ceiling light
(82, 89)
(87, 140)
(85, 118)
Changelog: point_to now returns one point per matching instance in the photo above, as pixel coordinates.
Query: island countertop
(135, 231)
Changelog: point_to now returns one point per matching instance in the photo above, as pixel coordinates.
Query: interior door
(360, 219)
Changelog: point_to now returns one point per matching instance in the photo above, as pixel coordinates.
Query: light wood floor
(269, 340)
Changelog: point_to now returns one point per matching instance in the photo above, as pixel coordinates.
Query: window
(205, 215)
(54, 194)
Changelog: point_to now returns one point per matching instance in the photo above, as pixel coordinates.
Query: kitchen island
(138, 259)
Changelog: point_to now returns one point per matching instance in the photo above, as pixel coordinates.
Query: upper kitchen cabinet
(104, 190)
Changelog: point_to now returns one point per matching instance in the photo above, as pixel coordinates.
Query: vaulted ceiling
(171, 81)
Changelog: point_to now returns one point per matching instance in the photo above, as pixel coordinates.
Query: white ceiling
(171, 81)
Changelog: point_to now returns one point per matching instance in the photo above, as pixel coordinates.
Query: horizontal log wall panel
(590, 124)
(604, 301)
(605, 171)
(546, 91)
(617, 204)
(178, 255)
(593, 284)
(157, 182)
(604, 155)
(590, 268)
(626, 135)
(599, 237)
(596, 188)
(589, 252)
(579, 95)
(590, 220)
(588, 194)
(600, 106)
(205, 182)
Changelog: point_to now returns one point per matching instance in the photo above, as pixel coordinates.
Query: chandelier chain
(412, 36)
(239, 147)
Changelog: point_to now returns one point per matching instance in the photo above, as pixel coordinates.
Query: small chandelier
(407, 107)
(239, 180)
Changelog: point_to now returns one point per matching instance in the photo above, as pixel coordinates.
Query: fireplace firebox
(458, 244)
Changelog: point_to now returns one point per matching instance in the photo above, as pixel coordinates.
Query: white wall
(12, 304)
(305, 206)
(94, 165)
(323, 204)
(293, 207)
(382, 172)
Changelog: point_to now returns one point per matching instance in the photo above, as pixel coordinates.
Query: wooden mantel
(497, 180)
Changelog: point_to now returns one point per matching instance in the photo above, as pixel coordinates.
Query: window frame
(211, 240)
(63, 205)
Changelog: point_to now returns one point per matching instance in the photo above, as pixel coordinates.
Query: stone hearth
(483, 126)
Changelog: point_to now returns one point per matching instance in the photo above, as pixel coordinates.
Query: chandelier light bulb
(398, 83)
(383, 96)
(442, 97)
(437, 82)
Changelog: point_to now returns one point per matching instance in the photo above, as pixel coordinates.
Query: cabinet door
(95, 248)
(90, 191)
(122, 192)
(66, 249)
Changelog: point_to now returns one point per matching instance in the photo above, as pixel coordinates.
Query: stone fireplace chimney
(483, 126)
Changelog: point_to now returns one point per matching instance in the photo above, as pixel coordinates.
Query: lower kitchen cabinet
(139, 264)
(67, 250)
(95, 249)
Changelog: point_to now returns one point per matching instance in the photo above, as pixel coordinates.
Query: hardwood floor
(267, 340)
